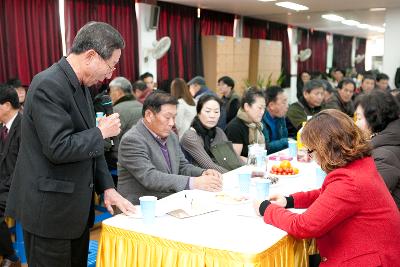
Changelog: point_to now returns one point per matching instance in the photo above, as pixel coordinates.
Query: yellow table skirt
(119, 248)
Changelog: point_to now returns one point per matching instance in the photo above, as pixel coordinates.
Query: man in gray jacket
(124, 103)
(150, 160)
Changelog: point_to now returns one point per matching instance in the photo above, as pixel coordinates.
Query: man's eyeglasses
(110, 69)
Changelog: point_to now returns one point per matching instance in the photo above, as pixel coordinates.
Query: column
(146, 37)
(292, 32)
(391, 56)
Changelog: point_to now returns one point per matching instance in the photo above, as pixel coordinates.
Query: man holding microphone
(61, 159)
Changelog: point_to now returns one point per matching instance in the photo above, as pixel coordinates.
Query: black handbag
(225, 155)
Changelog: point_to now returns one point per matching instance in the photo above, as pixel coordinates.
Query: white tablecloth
(232, 228)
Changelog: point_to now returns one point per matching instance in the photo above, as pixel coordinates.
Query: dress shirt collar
(162, 141)
(10, 122)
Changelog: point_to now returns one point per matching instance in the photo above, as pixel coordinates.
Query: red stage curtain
(316, 41)
(183, 59)
(278, 32)
(216, 23)
(30, 38)
(254, 28)
(342, 51)
(360, 50)
(118, 13)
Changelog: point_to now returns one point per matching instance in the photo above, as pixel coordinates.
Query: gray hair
(123, 83)
(99, 36)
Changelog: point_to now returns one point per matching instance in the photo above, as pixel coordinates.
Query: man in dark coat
(10, 136)
(61, 160)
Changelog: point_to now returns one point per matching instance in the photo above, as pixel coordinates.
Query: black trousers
(50, 252)
(6, 246)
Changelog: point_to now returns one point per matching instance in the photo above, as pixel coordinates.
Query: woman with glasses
(352, 216)
(377, 115)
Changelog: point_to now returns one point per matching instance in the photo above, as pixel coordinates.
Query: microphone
(106, 103)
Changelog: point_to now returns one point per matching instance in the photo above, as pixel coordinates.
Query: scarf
(207, 135)
(256, 135)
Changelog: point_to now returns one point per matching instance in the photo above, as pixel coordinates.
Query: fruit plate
(272, 183)
(285, 176)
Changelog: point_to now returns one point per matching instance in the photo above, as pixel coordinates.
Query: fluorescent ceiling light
(363, 26)
(332, 17)
(377, 29)
(291, 5)
(377, 9)
(350, 22)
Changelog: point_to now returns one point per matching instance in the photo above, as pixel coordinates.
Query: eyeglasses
(110, 69)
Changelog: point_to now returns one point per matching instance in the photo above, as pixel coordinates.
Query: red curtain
(216, 23)
(360, 50)
(183, 59)
(316, 41)
(342, 51)
(118, 13)
(254, 28)
(30, 38)
(279, 32)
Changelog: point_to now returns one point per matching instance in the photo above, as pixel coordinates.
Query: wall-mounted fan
(159, 49)
(304, 55)
(359, 58)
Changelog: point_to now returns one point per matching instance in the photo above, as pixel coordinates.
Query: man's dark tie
(3, 133)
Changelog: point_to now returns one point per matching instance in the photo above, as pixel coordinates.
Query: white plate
(284, 176)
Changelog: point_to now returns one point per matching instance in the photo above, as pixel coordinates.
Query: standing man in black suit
(61, 160)
(10, 136)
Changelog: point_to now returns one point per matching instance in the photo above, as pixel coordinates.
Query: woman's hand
(278, 200)
(256, 205)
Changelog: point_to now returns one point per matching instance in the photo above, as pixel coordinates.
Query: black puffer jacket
(386, 154)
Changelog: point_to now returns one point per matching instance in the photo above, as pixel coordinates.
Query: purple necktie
(4, 133)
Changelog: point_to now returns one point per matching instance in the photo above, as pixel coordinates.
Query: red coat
(353, 217)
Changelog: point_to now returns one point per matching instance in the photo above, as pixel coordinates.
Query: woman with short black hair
(198, 140)
(377, 115)
(246, 128)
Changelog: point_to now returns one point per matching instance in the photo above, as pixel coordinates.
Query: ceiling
(349, 9)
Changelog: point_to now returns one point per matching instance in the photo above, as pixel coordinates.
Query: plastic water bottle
(302, 155)
(98, 116)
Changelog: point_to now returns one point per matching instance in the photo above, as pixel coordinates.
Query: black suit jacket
(8, 157)
(61, 157)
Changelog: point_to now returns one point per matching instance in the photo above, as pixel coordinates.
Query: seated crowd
(172, 142)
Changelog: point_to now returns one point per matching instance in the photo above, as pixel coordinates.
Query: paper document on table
(187, 203)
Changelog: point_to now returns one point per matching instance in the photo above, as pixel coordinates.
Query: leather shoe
(9, 263)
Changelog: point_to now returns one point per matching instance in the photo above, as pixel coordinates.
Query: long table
(231, 236)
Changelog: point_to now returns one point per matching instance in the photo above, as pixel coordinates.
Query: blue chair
(93, 247)
(19, 241)
(114, 172)
(104, 212)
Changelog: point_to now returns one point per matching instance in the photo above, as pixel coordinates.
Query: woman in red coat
(353, 216)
